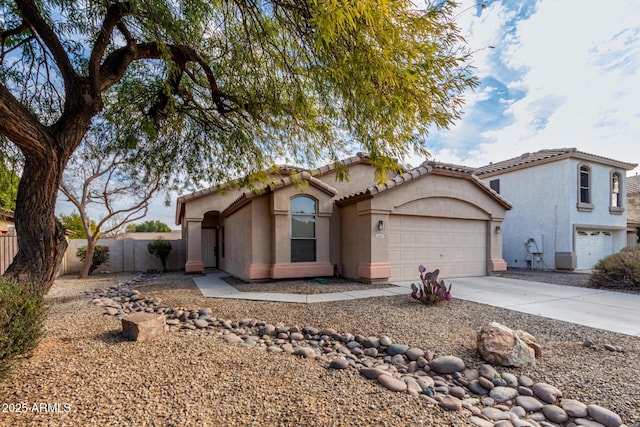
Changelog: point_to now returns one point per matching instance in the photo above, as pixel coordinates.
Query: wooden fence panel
(8, 250)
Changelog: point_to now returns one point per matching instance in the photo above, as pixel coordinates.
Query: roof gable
(546, 156)
(426, 168)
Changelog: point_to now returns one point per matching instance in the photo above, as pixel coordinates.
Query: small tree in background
(149, 227)
(100, 256)
(160, 248)
(74, 226)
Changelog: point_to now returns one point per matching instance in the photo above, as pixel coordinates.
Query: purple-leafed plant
(430, 291)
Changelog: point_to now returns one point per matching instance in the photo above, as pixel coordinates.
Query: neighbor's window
(495, 185)
(303, 229)
(615, 190)
(585, 184)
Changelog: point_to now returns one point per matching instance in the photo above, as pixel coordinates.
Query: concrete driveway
(608, 310)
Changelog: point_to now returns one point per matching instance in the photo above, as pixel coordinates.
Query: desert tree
(105, 180)
(217, 89)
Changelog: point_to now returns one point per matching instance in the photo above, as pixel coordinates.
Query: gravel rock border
(193, 376)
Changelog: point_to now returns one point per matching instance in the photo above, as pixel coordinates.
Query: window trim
(613, 209)
(315, 227)
(580, 205)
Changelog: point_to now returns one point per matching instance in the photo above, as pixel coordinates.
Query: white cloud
(571, 71)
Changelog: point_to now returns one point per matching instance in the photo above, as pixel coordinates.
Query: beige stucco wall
(366, 257)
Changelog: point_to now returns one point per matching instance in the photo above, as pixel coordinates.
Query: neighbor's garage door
(457, 247)
(591, 247)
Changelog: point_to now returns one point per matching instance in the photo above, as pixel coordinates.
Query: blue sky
(561, 73)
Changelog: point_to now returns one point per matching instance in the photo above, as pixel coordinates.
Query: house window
(615, 190)
(495, 185)
(616, 206)
(585, 184)
(585, 203)
(303, 229)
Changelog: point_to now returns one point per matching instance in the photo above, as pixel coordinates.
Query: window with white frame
(585, 184)
(615, 190)
(303, 229)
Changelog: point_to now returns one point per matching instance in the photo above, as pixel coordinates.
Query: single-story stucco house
(306, 223)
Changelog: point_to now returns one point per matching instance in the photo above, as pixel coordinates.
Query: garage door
(457, 247)
(591, 247)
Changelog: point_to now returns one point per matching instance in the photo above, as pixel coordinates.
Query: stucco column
(494, 240)
(194, 262)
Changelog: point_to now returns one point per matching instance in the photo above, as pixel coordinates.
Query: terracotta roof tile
(523, 159)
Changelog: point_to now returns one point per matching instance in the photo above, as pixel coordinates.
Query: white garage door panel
(591, 247)
(457, 247)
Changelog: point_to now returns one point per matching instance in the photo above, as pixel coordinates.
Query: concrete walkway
(611, 311)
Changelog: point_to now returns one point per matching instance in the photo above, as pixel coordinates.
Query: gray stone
(588, 423)
(475, 387)
(555, 414)
(503, 423)
(370, 342)
(353, 344)
(392, 383)
(413, 387)
(518, 411)
(486, 383)
(495, 414)
(200, 323)
(339, 364)
(232, 339)
(385, 341)
(525, 391)
(604, 416)
(451, 403)
(512, 380)
(546, 392)
(529, 403)
(371, 352)
(296, 336)
(267, 330)
(502, 394)
(458, 392)
(525, 381)
(414, 353)
(307, 352)
(111, 311)
(143, 326)
(395, 349)
(574, 408)
(370, 373)
(480, 422)
(447, 364)
(488, 371)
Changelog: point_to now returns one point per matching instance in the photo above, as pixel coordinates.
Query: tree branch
(33, 17)
(22, 128)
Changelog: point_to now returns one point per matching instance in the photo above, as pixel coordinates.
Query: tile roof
(633, 184)
(528, 159)
(6, 213)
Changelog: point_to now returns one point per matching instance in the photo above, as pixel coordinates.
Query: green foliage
(22, 315)
(621, 269)
(160, 248)
(149, 226)
(100, 256)
(73, 224)
(430, 291)
(9, 180)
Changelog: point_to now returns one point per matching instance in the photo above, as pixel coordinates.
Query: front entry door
(209, 247)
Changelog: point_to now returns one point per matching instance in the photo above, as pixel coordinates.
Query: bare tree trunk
(41, 240)
(86, 265)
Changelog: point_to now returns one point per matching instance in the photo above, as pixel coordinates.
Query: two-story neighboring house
(569, 207)
(633, 210)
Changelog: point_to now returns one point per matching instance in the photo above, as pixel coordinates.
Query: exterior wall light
(498, 229)
(381, 225)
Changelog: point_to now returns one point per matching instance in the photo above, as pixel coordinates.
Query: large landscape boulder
(500, 345)
(141, 326)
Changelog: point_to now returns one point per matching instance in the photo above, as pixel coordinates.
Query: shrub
(22, 315)
(621, 269)
(161, 249)
(430, 291)
(100, 256)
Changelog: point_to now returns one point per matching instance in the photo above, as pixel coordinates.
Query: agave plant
(430, 291)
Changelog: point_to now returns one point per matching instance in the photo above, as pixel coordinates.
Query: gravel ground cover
(304, 287)
(84, 373)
